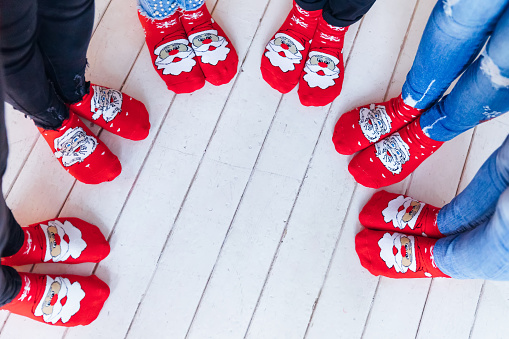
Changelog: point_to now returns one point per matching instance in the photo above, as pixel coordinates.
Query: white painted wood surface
(236, 218)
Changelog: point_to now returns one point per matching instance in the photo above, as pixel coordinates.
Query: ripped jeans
(454, 35)
(43, 45)
(477, 224)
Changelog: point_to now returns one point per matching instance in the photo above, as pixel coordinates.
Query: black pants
(43, 46)
(11, 235)
(340, 13)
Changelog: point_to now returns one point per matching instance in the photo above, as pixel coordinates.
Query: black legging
(339, 13)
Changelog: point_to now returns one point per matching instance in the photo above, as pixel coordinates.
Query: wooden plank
(186, 132)
(21, 135)
(233, 318)
(245, 258)
(303, 258)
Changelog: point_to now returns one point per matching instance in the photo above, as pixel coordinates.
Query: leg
(64, 53)
(454, 35)
(11, 236)
(343, 13)
(480, 253)
(172, 55)
(322, 78)
(490, 181)
(482, 93)
(27, 87)
(154, 10)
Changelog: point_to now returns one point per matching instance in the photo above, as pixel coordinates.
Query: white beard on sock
(292, 56)
(175, 68)
(72, 292)
(212, 57)
(74, 146)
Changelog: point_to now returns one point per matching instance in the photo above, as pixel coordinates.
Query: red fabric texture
(81, 153)
(396, 255)
(396, 212)
(61, 240)
(365, 125)
(393, 158)
(114, 111)
(214, 51)
(172, 55)
(66, 300)
(287, 51)
(322, 77)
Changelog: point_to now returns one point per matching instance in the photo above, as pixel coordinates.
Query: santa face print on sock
(74, 146)
(284, 52)
(321, 70)
(398, 251)
(174, 57)
(63, 240)
(210, 46)
(106, 102)
(60, 300)
(374, 122)
(403, 211)
(393, 152)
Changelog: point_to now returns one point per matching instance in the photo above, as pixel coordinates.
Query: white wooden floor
(236, 218)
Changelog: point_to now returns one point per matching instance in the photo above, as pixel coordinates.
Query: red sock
(397, 255)
(395, 212)
(81, 153)
(322, 77)
(62, 240)
(66, 300)
(115, 112)
(214, 51)
(357, 129)
(172, 55)
(286, 53)
(394, 158)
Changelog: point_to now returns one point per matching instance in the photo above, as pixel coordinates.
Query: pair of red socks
(409, 254)
(392, 141)
(189, 48)
(61, 300)
(308, 51)
(79, 151)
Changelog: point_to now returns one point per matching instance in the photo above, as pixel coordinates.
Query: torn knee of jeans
(492, 71)
(82, 87)
(448, 4)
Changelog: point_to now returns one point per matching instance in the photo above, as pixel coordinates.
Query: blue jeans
(158, 9)
(452, 39)
(477, 224)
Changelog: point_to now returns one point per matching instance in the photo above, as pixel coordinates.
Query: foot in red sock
(395, 212)
(81, 153)
(62, 240)
(397, 255)
(172, 55)
(359, 128)
(114, 111)
(394, 158)
(214, 51)
(66, 300)
(287, 52)
(322, 77)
